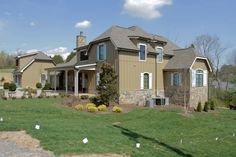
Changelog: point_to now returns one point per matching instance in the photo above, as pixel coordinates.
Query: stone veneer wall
(176, 95)
(137, 97)
(198, 94)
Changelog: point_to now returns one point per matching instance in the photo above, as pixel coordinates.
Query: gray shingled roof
(182, 59)
(71, 63)
(120, 36)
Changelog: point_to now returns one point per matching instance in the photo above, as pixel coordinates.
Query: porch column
(48, 77)
(76, 72)
(83, 81)
(66, 81)
(55, 80)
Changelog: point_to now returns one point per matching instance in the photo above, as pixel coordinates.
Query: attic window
(83, 56)
(142, 52)
(159, 54)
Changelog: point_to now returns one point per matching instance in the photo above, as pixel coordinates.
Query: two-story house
(30, 69)
(147, 66)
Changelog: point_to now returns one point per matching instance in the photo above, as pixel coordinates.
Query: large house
(30, 69)
(147, 66)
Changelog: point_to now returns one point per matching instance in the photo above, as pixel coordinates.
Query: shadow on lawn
(134, 136)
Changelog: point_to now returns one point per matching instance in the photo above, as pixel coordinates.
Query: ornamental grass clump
(90, 105)
(117, 109)
(79, 107)
(102, 107)
(92, 109)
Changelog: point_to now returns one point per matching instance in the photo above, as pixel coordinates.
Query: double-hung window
(142, 52)
(101, 52)
(159, 54)
(199, 78)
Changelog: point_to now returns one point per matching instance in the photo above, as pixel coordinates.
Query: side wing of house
(199, 82)
(35, 73)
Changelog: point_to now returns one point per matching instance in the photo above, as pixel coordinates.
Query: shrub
(23, 97)
(212, 105)
(30, 96)
(102, 107)
(92, 109)
(90, 105)
(38, 85)
(48, 97)
(62, 95)
(40, 96)
(4, 98)
(199, 107)
(206, 107)
(84, 97)
(47, 86)
(93, 99)
(13, 98)
(12, 87)
(117, 109)
(6, 85)
(54, 96)
(79, 107)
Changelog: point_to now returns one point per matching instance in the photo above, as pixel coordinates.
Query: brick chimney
(80, 40)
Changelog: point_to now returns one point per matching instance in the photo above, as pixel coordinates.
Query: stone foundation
(198, 94)
(137, 97)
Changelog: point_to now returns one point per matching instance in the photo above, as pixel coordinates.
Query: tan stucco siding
(200, 64)
(8, 76)
(130, 69)
(32, 74)
(24, 61)
(91, 81)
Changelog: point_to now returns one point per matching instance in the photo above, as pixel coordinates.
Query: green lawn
(158, 131)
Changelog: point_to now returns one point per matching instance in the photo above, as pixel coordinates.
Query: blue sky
(49, 25)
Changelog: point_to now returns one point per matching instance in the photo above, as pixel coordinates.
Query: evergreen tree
(58, 59)
(107, 88)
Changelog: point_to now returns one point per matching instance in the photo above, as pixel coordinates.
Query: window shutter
(150, 80)
(180, 79)
(205, 78)
(97, 52)
(105, 51)
(141, 81)
(172, 79)
(193, 78)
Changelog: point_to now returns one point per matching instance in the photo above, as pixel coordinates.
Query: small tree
(199, 107)
(107, 88)
(212, 105)
(206, 107)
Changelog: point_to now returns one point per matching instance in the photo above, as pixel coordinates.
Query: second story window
(101, 52)
(159, 55)
(142, 52)
(83, 56)
(199, 78)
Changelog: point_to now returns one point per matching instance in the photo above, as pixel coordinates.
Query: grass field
(158, 131)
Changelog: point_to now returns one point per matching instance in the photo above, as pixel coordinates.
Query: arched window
(146, 81)
(199, 78)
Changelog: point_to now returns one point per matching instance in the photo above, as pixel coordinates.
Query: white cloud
(146, 9)
(31, 50)
(32, 24)
(83, 24)
(63, 51)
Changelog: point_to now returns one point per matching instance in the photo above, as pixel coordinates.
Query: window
(176, 79)
(43, 79)
(142, 52)
(101, 52)
(146, 80)
(159, 55)
(83, 56)
(199, 78)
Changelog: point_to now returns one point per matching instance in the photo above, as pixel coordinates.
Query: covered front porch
(73, 80)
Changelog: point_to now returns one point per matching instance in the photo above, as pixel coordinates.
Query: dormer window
(159, 54)
(101, 52)
(83, 56)
(142, 52)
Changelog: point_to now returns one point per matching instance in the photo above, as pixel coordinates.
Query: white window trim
(203, 58)
(180, 77)
(149, 81)
(159, 47)
(202, 78)
(105, 52)
(143, 44)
